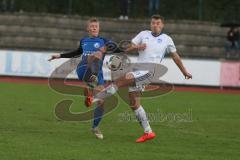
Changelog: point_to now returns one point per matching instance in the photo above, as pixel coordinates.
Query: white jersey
(156, 47)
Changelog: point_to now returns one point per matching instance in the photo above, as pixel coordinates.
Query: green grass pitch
(30, 131)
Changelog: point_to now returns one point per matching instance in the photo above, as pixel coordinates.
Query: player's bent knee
(129, 76)
(134, 104)
(134, 107)
(100, 103)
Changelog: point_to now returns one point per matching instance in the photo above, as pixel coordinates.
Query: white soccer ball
(114, 63)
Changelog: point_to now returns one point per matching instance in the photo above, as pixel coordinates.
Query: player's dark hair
(157, 16)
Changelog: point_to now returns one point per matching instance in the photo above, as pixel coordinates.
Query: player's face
(93, 29)
(156, 26)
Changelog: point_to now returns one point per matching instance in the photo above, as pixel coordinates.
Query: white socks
(107, 92)
(142, 118)
(112, 89)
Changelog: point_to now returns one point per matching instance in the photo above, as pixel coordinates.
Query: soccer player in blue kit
(89, 70)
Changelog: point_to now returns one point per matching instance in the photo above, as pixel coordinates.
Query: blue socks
(98, 113)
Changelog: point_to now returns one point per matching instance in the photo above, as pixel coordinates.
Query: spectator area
(57, 33)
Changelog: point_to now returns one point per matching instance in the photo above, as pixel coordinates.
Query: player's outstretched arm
(71, 54)
(176, 58)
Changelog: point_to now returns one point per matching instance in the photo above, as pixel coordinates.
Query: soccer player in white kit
(152, 47)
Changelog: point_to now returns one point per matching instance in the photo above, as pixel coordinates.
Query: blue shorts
(84, 73)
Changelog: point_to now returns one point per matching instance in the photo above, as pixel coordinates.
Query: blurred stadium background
(30, 31)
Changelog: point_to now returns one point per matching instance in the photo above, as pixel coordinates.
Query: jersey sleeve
(171, 48)
(75, 53)
(138, 39)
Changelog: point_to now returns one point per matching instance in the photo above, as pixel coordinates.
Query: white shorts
(143, 75)
(141, 79)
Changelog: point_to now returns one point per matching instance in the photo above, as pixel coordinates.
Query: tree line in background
(207, 10)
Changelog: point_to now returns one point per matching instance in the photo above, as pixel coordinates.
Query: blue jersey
(89, 46)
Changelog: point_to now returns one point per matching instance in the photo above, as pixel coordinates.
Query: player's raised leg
(101, 93)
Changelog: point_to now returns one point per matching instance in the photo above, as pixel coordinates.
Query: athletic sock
(98, 113)
(107, 92)
(143, 120)
(112, 89)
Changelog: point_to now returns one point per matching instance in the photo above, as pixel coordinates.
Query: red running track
(27, 80)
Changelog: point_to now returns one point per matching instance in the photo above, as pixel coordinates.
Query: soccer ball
(114, 63)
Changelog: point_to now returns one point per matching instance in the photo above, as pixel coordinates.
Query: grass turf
(29, 129)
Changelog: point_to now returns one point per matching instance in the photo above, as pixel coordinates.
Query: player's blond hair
(93, 19)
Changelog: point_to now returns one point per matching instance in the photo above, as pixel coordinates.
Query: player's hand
(188, 76)
(56, 56)
(141, 47)
(103, 49)
(96, 56)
